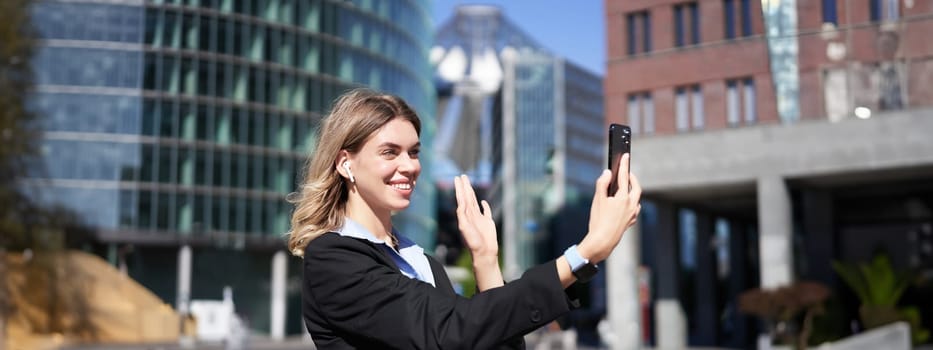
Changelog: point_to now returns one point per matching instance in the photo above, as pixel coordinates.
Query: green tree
(19, 135)
(23, 223)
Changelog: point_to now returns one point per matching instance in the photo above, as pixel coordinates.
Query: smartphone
(620, 142)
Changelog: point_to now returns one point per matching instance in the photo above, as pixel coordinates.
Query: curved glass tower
(187, 122)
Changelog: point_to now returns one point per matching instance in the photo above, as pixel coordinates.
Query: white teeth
(405, 186)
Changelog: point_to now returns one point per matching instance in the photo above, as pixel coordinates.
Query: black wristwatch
(582, 269)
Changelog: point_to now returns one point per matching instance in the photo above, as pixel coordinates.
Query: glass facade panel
(184, 212)
(215, 101)
(201, 168)
(88, 67)
(186, 166)
(90, 113)
(145, 218)
(128, 209)
(164, 213)
(166, 165)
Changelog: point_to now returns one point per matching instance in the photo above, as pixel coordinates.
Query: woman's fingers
(623, 176)
(470, 194)
(458, 191)
(602, 184)
(487, 211)
(635, 193)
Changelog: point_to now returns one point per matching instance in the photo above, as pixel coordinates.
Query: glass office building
(523, 122)
(527, 126)
(552, 150)
(170, 122)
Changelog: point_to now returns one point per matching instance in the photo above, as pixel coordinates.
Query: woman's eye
(414, 153)
(389, 152)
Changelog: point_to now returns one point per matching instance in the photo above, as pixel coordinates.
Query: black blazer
(355, 297)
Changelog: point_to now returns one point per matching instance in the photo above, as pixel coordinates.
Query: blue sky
(572, 29)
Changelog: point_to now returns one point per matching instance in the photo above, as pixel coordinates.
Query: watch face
(585, 273)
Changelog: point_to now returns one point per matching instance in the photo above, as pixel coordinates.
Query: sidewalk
(253, 343)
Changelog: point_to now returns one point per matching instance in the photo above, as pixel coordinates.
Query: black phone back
(620, 142)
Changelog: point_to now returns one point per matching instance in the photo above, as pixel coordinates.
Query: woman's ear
(342, 164)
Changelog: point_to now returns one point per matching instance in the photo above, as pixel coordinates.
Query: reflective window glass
(272, 126)
(205, 73)
(206, 31)
(200, 215)
(218, 213)
(238, 214)
(254, 128)
(255, 218)
(164, 214)
(167, 165)
(184, 212)
(220, 169)
(149, 116)
(145, 220)
(128, 208)
(148, 160)
(187, 121)
(201, 167)
(236, 170)
(269, 173)
(186, 165)
(189, 39)
(171, 31)
(204, 122)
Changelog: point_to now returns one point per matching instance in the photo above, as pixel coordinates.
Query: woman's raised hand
(477, 227)
(479, 233)
(611, 214)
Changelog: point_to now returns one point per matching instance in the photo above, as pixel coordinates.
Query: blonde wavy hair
(320, 203)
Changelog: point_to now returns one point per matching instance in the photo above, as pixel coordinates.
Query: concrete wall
(811, 148)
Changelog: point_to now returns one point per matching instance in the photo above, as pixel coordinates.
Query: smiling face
(386, 168)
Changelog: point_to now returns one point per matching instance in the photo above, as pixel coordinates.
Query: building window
(729, 16)
(689, 108)
(751, 116)
(741, 102)
(884, 10)
(641, 113)
(836, 94)
(829, 12)
(697, 113)
(735, 20)
(638, 25)
(686, 24)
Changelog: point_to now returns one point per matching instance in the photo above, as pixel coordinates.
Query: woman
(368, 287)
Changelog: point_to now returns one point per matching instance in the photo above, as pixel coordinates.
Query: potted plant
(788, 310)
(879, 288)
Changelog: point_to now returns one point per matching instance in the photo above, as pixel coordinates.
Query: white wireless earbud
(346, 165)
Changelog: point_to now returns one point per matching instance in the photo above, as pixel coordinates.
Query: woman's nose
(408, 164)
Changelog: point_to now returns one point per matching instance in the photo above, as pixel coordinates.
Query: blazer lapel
(441, 281)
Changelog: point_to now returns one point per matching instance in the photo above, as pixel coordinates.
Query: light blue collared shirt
(409, 257)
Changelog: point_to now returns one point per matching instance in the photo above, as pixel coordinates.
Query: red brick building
(665, 66)
(756, 181)
(735, 50)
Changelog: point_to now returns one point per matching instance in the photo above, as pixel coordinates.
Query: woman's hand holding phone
(611, 213)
